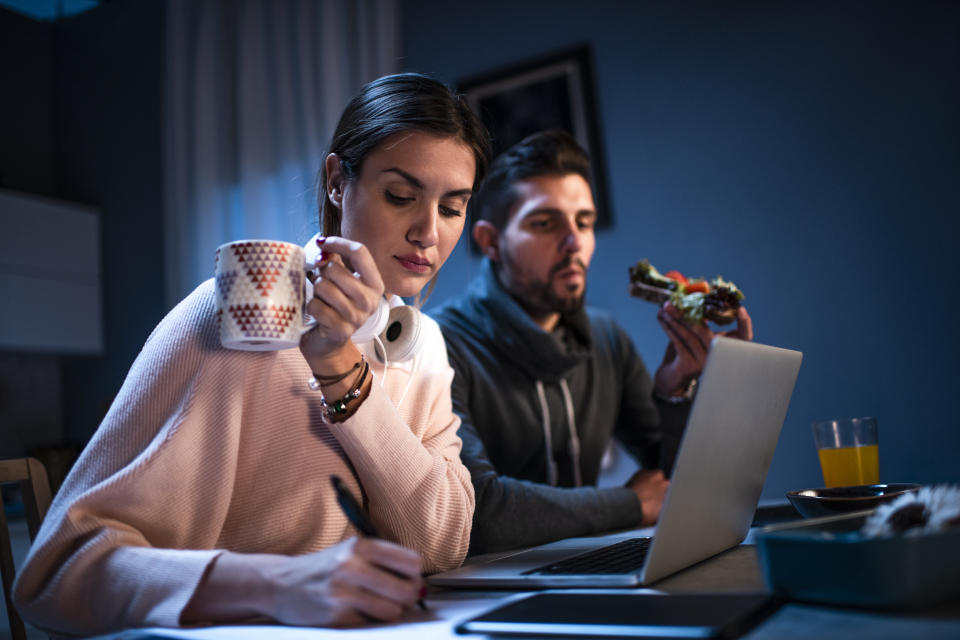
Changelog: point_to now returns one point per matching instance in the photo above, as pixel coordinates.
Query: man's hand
(651, 487)
(686, 353)
(744, 330)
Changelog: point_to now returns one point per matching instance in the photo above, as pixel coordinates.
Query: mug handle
(309, 322)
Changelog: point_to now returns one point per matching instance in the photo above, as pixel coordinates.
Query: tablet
(615, 614)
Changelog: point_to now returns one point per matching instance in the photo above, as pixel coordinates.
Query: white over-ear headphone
(374, 325)
(402, 338)
(398, 328)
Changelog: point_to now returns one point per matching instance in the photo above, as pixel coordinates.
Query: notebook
(727, 446)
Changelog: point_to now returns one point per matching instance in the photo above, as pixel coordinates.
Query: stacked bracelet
(329, 410)
(317, 381)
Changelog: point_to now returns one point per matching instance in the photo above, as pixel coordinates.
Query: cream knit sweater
(208, 451)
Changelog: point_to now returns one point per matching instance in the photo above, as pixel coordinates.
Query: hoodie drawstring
(547, 437)
(574, 439)
(552, 474)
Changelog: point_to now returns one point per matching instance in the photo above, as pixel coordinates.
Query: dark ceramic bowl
(814, 503)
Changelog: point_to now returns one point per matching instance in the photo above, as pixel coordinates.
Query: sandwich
(697, 299)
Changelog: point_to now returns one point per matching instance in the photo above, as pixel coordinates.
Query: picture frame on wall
(553, 91)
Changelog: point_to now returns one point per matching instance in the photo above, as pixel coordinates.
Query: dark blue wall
(80, 120)
(108, 74)
(27, 144)
(808, 151)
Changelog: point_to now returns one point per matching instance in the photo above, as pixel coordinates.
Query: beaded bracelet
(329, 410)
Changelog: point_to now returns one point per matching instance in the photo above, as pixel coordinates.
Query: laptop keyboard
(622, 557)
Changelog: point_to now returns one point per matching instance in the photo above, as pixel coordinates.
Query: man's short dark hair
(547, 153)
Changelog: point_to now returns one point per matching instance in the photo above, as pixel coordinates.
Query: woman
(205, 495)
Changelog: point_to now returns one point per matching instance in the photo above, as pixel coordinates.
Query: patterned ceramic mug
(260, 290)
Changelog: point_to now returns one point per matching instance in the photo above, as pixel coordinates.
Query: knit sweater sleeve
(408, 461)
(136, 503)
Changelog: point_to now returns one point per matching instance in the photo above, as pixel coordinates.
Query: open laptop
(727, 446)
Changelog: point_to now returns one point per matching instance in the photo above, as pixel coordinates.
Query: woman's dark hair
(395, 104)
(547, 153)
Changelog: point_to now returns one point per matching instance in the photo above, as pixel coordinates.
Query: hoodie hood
(490, 313)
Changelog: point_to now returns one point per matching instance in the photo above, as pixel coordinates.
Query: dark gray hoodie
(584, 380)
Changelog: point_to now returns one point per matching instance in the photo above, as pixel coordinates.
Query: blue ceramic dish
(827, 560)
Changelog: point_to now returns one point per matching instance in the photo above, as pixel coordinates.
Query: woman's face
(408, 205)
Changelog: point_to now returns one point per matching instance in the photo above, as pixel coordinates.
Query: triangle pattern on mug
(270, 321)
(264, 278)
(225, 282)
(296, 278)
(264, 261)
(247, 251)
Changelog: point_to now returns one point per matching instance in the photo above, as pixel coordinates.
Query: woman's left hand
(346, 292)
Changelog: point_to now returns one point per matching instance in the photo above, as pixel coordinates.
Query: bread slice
(657, 295)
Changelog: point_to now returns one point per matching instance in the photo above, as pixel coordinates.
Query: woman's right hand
(353, 582)
(350, 583)
(346, 291)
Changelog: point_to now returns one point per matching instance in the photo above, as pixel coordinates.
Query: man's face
(546, 246)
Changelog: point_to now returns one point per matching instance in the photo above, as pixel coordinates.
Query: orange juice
(848, 466)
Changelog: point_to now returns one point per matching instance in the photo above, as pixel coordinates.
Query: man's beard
(540, 296)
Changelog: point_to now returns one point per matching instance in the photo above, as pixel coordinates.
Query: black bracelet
(339, 407)
(317, 380)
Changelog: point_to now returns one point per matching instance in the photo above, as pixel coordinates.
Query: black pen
(356, 516)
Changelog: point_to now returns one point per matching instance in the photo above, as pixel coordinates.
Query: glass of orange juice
(848, 451)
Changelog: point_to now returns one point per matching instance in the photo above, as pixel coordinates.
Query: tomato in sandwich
(697, 286)
(676, 275)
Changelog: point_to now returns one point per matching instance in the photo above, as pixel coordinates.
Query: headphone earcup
(374, 325)
(402, 337)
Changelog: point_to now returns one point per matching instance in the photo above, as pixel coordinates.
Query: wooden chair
(35, 488)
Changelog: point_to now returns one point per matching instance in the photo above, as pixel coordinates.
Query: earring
(335, 193)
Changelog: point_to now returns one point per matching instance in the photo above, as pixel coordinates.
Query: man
(542, 384)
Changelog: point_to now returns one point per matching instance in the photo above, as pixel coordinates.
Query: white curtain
(253, 92)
